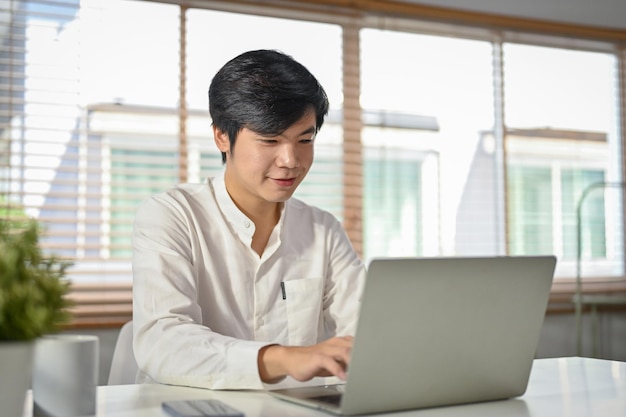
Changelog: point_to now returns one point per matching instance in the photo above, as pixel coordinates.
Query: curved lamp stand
(592, 300)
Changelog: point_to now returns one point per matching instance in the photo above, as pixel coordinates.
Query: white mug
(65, 375)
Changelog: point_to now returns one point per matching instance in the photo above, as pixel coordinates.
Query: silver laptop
(440, 331)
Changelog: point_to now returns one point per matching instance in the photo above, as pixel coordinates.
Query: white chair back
(123, 365)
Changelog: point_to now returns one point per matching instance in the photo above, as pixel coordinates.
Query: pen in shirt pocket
(282, 290)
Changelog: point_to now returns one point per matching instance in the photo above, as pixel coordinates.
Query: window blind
(74, 156)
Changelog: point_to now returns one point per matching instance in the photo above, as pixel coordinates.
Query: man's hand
(328, 358)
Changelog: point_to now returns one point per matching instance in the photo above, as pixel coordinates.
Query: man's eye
(269, 141)
(305, 141)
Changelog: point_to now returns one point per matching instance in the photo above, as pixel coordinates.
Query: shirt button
(246, 224)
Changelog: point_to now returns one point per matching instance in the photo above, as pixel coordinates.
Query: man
(236, 284)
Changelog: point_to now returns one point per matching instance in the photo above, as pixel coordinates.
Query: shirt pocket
(304, 307)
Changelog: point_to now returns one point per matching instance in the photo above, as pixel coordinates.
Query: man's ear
(221, 140)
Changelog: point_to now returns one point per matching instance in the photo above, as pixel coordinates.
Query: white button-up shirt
(204, 302)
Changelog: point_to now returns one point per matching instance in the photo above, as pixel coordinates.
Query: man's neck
(265, 215)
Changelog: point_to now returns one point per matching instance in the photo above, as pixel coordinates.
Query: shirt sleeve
(344, 285)
(171, 345)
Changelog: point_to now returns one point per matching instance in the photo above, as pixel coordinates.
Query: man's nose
(288, 156)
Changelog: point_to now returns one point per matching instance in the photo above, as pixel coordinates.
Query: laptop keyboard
(334, 399)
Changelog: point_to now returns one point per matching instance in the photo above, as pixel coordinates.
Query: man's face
(266, 169)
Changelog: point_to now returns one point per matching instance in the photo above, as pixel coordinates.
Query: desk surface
(564, 387)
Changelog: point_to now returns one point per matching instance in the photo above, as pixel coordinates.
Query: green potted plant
(33, 302)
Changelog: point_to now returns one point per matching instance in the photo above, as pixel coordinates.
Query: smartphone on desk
(200, 408)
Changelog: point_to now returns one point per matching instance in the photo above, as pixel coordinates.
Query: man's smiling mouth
(284, 182)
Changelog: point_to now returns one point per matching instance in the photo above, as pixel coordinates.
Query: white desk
(563, 387)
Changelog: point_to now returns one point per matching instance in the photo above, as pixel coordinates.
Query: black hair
(265, 91)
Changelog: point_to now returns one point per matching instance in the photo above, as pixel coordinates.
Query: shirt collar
(239, 222)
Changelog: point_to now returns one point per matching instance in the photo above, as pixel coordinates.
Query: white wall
(602, 13)
(558, 336)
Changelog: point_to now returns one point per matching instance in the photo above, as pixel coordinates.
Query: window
(502, 185)
(114, 140)
(562, 121)
(471, 141)
(393, 202)
(438, 98)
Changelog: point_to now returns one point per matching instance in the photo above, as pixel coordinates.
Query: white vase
(16, 364)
